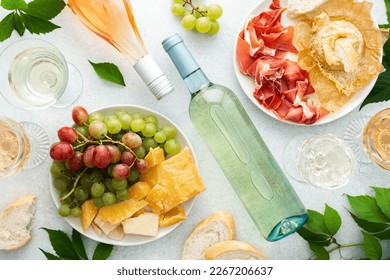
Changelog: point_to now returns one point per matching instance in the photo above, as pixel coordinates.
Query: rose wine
(114, 22)
(14, 146)
(376, 139)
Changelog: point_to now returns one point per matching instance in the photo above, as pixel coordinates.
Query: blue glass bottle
(239, 149)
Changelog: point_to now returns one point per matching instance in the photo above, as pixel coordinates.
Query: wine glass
(38, 76)
(21, 145)
(376, 139)
(323, 161)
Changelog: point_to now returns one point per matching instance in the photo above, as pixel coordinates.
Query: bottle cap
(153, 77)
(177, 50)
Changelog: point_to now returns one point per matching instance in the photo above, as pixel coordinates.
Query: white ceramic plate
(131, 240)
(247, 83)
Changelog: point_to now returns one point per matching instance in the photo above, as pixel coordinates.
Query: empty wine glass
(323, 161)
(21, 145)
(38, 76)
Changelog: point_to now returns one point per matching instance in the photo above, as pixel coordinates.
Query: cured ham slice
(280, 84)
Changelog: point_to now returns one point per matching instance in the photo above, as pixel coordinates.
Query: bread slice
(216, 228)
(233, 250)
(296, 8)
(15, 220)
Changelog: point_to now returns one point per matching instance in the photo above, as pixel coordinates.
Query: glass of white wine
(323, 161)
(38, 76)
(22, 144)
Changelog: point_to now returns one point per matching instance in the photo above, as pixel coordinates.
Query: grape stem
(194, 8)
(107, 140)
(74, 185)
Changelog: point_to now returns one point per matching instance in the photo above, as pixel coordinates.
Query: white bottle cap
(153, 77)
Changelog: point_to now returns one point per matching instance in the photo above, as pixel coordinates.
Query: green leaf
(78, 245)
(369, 226)
(14, 5)
(109, 72)
(319, 251)
(387, 4)
(316, 222)
(372, 247)
(18, 25)
(45, 9)
(381, 91)
(332, 220)
(315, 238)
(384, 235)
(6, 27)
(367, 209)
(50, 256)
(382, 196)
(37, 25)
(102, 251)
(62, 244)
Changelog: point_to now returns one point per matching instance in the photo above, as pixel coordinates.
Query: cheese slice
(144, 224)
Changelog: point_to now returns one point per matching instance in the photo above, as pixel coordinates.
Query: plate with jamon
(308, 64)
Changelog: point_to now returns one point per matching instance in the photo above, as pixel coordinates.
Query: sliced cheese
(145, 224)
(104, 226)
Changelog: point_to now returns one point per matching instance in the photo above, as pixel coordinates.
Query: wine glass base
(290, 155)
(353, 136)
(39, 144)
(73, 89)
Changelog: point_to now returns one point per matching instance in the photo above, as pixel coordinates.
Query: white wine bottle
(239, 149)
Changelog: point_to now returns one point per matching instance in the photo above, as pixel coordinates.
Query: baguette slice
(296, 8)
(216, 228)
(233, 250)
(14, 223)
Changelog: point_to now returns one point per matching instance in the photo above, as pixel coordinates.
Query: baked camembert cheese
(340, 47)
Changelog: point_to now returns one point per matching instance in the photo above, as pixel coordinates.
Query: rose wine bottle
(114, 22)
(239, 149)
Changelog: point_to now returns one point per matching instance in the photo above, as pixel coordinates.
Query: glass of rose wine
(22, 144)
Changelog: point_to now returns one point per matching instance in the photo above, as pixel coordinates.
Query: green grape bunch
(200, 18)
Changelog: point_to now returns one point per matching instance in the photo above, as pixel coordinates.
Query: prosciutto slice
(280, 84)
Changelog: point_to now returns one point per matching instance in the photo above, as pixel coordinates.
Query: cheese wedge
(145, 224)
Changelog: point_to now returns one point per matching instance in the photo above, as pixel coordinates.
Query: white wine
(38, 76)
(239, 149)
(325, 161)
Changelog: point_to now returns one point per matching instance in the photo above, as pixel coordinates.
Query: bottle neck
(196, 81)
(185, 63)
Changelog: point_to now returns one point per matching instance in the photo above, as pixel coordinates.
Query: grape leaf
(37, 25)
(109, 72)
(45, 9)
(382, 196)
(384, 235)
(319, 251)
(316, 222)
(315, 238)
(387, 5)
(372, 247)
(18, 24)
(14, 5)
(49, 256)
(62, 244)
(369, 226)
(366, 208)
(78, 245)
(102, 251)
(6, 27)
(332, 220)
(381, 91)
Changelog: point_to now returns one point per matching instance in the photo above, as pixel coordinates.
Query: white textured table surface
(214, 54)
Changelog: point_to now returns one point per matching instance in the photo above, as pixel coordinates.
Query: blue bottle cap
(181, 57)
